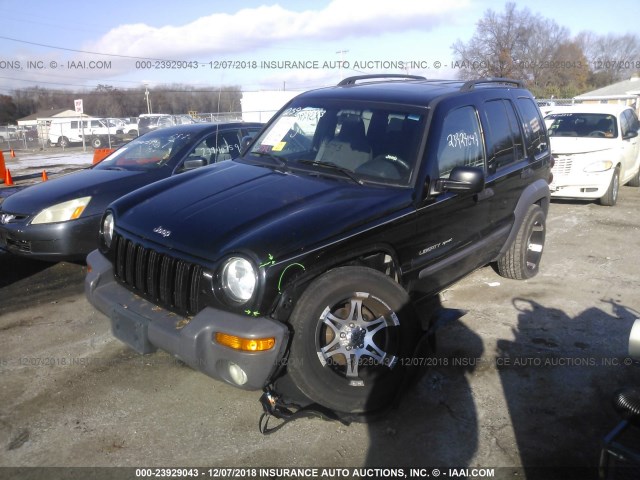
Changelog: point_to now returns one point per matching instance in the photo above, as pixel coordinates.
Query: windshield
(377, 145)
(595, 125)
(147, 152)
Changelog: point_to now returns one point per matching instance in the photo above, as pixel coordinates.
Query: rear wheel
(63, 142)
(522, 260)
(97, 142)
(610, 198)
(354, 330)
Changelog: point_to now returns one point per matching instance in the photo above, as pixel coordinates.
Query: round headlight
(239, 279)
(107, 229)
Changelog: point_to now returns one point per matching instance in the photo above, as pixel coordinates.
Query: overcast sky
(120, 43)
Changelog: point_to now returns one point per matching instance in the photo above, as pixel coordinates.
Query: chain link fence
(98, 132)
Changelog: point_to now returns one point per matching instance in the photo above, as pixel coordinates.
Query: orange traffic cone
(2, 166)
(8, 181)
(44, 176)
(13, 154)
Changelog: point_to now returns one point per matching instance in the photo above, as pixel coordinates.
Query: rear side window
(633, 120)
(534, 130)
(504, 140)
(460, 143)
(629, 122)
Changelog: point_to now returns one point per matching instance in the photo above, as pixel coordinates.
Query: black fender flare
(283, 303)
(537, 192)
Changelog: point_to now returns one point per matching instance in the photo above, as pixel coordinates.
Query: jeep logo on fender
(162, 231)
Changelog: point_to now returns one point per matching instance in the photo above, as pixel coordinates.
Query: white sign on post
(78, 104)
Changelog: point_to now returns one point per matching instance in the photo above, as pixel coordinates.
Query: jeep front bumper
(145, 327)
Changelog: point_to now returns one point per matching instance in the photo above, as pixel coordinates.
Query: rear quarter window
(533, 126)
(504, 140)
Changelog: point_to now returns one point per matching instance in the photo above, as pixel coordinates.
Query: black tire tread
(348, 278)
(513, 263)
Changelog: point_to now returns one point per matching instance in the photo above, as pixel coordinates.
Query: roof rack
(471, 84)
(353, 80)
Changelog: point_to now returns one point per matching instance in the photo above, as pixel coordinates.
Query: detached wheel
(610, 198)
(522, 260)
(354, 329)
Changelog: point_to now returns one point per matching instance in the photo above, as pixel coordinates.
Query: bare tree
(521, 45)
(498, 47)
(611, 57)
(570, 73)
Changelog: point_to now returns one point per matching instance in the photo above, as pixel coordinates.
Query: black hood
(234, 207)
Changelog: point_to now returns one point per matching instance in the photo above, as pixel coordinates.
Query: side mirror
(630, 134)
(193, 164)
(462, 180)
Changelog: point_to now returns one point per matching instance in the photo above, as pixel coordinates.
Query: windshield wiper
(277, 162)
(333, 166)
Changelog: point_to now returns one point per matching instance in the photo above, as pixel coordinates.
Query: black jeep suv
(306, 255)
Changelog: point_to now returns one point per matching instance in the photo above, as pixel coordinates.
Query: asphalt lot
(524, 379)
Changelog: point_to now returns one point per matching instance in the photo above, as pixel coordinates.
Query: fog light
(245, 344)
(237, 374)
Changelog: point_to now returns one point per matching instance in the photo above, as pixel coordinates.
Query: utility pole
(341, 52)
(146, 95)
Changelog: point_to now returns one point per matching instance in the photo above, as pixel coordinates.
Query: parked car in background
(128, 126)
(596, 150)
(59, 219)
(97, 132)
(153, 121)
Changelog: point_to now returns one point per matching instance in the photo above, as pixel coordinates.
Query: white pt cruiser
(596, 149)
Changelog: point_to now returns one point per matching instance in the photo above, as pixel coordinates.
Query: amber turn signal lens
(245, 344)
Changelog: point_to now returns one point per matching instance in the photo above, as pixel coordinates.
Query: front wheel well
(290, 289)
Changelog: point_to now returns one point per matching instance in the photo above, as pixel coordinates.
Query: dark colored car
(304, 258)
(59, 219)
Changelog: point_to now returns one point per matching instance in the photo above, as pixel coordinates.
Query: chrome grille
(562, 166)
(166, 281)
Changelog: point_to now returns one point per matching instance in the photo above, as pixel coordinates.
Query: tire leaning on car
(522, 260)
(354, 330)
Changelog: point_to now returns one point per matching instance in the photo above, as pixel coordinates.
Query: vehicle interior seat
(349, 148)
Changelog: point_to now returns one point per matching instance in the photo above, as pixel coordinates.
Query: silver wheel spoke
(352, 365)
(378, 324)
(343, 342)
(377, 353)
(356, 311)
(334, 323)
